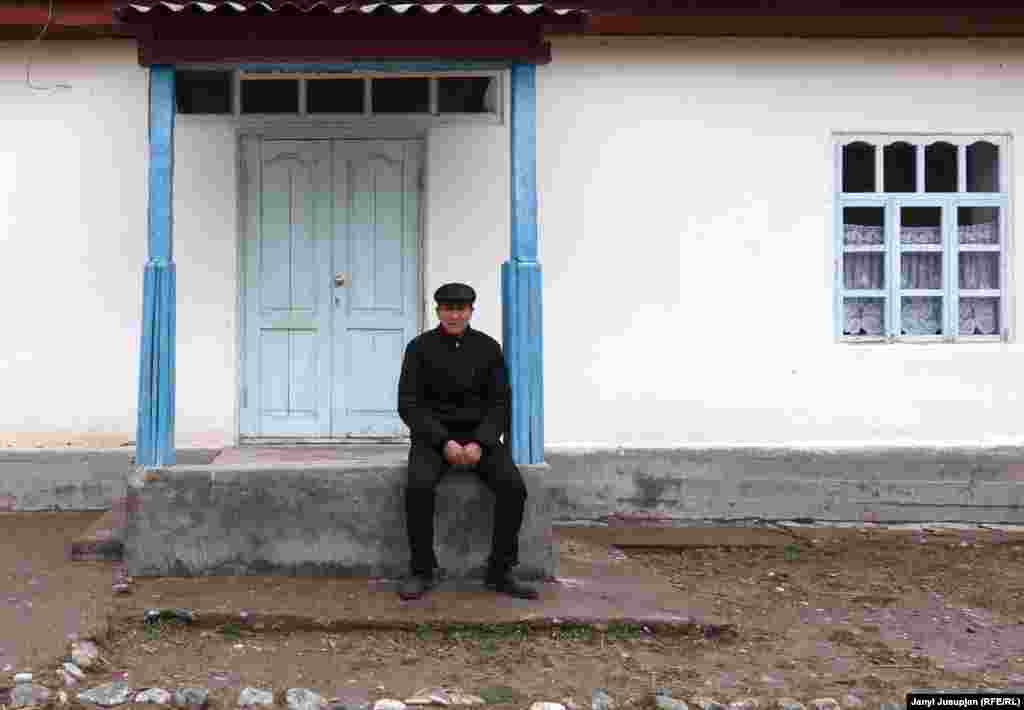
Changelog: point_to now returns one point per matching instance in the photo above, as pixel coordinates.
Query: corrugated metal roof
(337, 7)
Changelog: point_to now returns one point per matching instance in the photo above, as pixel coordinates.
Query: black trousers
(497, 471)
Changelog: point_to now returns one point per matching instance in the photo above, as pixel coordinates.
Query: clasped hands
(457, 454)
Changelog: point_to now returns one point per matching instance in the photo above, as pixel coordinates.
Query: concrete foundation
(598, 486)
(71, 479)
(708, 486)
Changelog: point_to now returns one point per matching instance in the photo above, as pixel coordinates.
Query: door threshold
(323, 441)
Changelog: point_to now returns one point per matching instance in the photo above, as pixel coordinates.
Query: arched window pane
(982, 167)
(940, 167)
(859, 167)
(900, 167)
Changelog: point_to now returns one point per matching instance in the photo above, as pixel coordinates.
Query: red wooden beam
(85, 16)
(156, 51)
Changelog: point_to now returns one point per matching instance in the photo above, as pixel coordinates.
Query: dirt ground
(873, 613)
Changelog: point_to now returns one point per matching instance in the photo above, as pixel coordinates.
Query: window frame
(433, 115)
(892, 204)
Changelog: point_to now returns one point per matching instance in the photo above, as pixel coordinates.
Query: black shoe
(504, 583)
(415, 586)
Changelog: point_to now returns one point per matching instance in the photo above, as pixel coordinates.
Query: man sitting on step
(452, 396)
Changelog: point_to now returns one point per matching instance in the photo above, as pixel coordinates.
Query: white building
(705, 205)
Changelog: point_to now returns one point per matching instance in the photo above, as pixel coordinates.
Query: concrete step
(103, 541)
(319, 519)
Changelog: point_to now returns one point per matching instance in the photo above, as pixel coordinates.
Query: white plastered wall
(73, 197)
(676, 178)
(73, 200)
(686, 214)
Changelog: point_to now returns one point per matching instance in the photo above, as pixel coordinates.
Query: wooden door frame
(392, 130)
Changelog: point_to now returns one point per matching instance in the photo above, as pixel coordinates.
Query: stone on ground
(852, 701)
(547, 706)
(108, 695)
(825, 704)
(744, 704)
(789, 704)
(304, 699)
(84, 654)
(73, 670)
(25, 694)
(191, 698)
(69, 680)
(156, 696)
(388, 704)
(705, 703)
(667, 702)
(600, 700)
(250, 697)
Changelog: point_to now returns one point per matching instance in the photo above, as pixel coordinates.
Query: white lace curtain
(921, 315)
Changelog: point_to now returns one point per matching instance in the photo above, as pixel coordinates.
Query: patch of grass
(500, 694)
(477, 633)
(791, 552)
(426, 632)
(155, 629)
(622, 631)
(488, 647)
(231, 630)
(573, 632)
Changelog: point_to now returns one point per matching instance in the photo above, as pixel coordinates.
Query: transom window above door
(921, 234)
(234, 92)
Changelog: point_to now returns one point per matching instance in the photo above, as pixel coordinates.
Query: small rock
(84, 654)
(388, 704)
(74, 670)
(744, 704)
(547, 706)
(108, 694)
(852, 701)
(22, 678)
(254, 696)
(69, 680)
(192, 698)
(825, 704)
(600, 700)
(667, 702)
(350, 700)
(429, 696)
(705, 703)
(571, 704)
(789, 704)
(156, 696)
(25, 694)
(304, 699)
(122, 588)
(458, 697)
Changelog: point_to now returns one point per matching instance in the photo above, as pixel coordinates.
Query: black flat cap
(455, 293)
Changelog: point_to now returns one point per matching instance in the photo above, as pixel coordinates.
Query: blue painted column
(154, 438)
(521, 277)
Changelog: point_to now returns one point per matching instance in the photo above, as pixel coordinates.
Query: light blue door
(329, 285)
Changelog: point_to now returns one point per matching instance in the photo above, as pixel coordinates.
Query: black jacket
(454, 387)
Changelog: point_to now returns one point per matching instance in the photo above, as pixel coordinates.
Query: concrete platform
(316, 512)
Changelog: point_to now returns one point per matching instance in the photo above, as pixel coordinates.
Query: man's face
(454, 317)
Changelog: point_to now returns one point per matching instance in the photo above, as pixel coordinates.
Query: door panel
(329, 285)
(287, 299)
(377, 182)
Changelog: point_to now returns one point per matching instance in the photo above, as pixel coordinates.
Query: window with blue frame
(921, 237)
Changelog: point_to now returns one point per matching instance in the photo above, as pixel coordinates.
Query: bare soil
(874, 613)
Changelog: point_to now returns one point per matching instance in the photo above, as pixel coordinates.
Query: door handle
(339, 280)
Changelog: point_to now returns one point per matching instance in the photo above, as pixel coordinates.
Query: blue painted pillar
(521, 277)
(154, 438)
